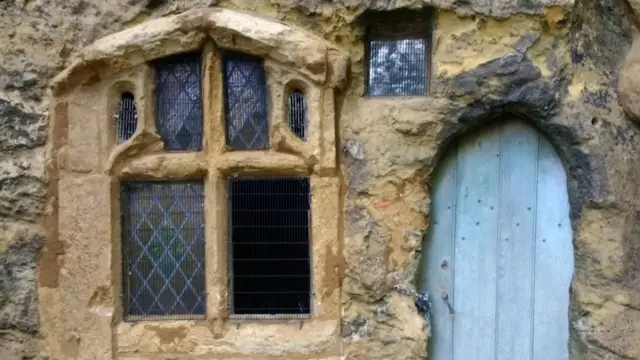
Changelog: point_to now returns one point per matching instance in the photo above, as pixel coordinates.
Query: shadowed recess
(269, 256)
(298, 119)
(126, 117)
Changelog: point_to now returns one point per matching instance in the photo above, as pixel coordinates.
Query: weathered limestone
(85, 301)
(244, 32)
(247, 340)
(628, 84)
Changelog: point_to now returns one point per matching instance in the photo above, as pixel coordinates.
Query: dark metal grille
(269, 249)
(179, 101)
(398, 58)
(163, 250)
(247, 125)
(298, 114)
(126, 118)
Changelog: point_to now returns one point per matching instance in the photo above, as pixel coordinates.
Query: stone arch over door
(499, 257)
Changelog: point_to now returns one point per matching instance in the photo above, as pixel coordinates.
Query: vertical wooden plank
(516, 241)
(475, 246)
(553, 259)
(500, 223)
(437, 270)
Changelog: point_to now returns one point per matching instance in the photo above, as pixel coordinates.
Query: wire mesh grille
(126, 117)
(269, 250)
(163, 250)
(397, 67)
(179, 101)
(398, 58)
(298, 114)
(246, 102)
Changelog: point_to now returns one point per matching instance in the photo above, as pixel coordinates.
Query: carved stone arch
(310, 55)
(290, 54)
(562, 137)
(591, 187)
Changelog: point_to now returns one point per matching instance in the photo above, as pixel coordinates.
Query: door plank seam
(498, 205)
(453, 244)
(535, 243)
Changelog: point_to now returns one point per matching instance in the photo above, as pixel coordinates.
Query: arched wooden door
(499, 249)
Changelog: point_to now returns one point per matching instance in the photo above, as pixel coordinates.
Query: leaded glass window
(179, 101)
(163, 250)
(247, 125)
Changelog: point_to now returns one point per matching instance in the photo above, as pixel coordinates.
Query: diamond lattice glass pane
(179, 102)
(397, 67)
(246, 102)
(163, 249)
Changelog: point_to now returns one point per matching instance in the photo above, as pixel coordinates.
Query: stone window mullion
(215, 244)
(215, 211)
(213, 107)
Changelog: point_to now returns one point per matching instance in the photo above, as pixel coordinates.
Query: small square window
(163, 250)
(398, 58)
(269, 247)
(179, 101)
(246, 115)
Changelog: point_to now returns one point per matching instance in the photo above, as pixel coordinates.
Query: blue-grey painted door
(499, 249)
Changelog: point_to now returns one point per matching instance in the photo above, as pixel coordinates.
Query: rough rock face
(553, 63)
(629, 87)
(18, 297)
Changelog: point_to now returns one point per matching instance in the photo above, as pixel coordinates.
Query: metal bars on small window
(297, 110)
(179, 101)
(126, 117)
(247, 126)
(269, 253)
(163, 250)
(398, 58)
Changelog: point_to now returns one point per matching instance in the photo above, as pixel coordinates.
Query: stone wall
(554, 63)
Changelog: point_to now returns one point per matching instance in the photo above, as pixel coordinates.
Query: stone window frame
(85, 97)
(424, 19)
